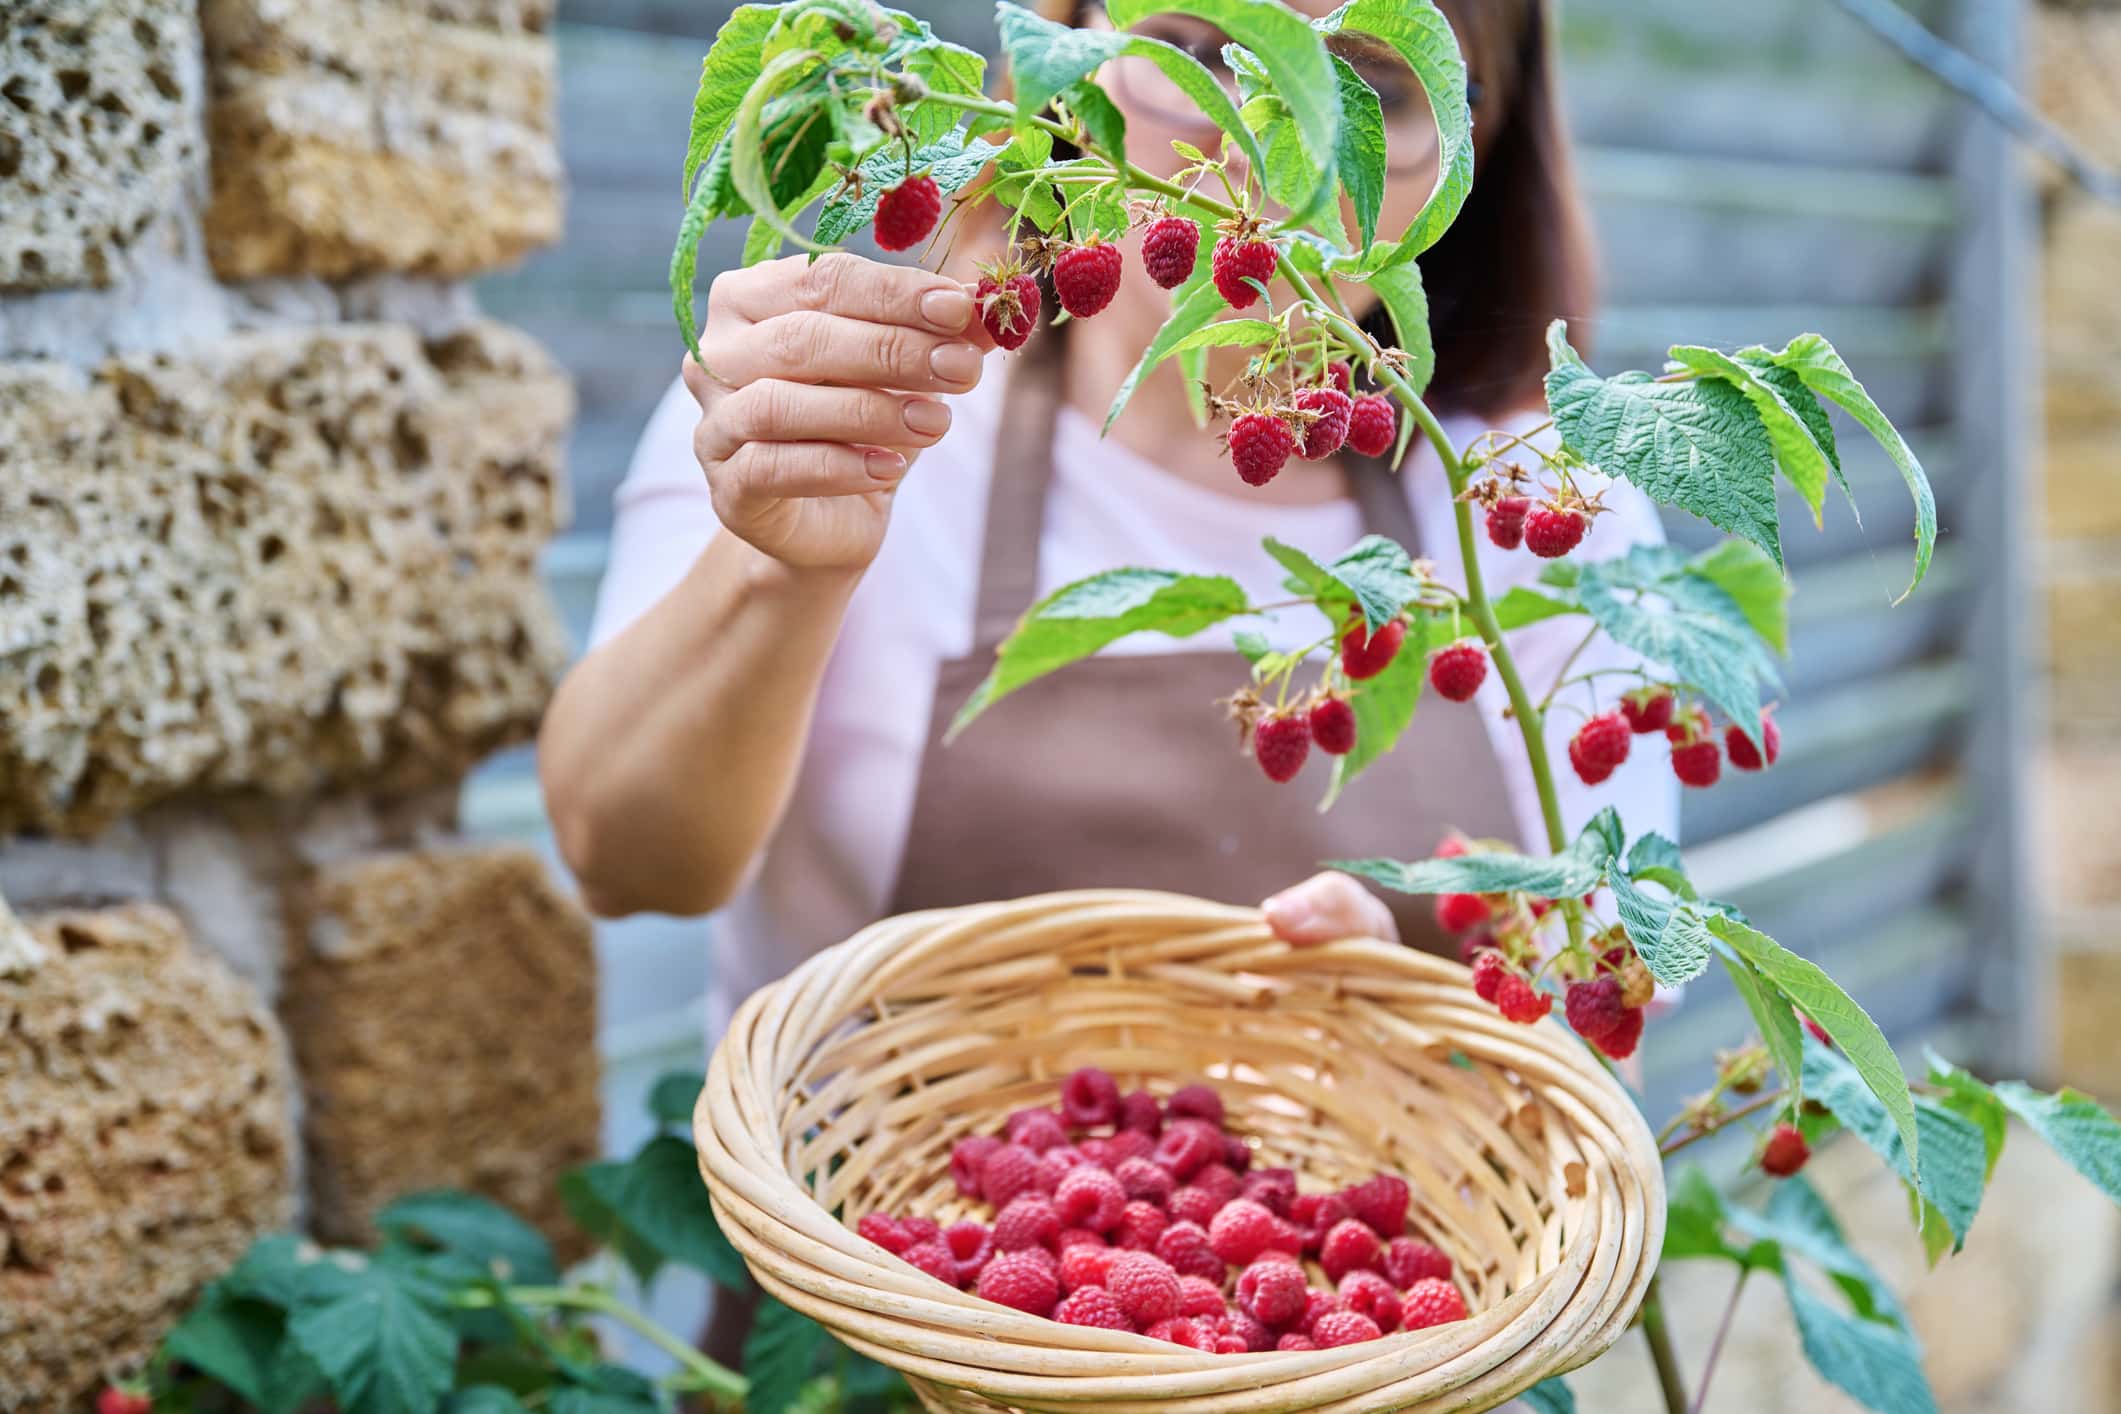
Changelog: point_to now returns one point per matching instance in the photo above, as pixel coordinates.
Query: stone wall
(272, 500)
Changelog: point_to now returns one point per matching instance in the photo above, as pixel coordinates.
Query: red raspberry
(1193, 1204)
(1697, 763)
(1237, 1154)
(1364, 654)
(1521, 1002)
(1371, 1295)
(1260, 444)
(1323, 436)
(1431, 1301)
(1472, 945)
(1008, 1171)
(967, 1157)
(1455, 913)
(115, 1400)
(1010, 312)
(1272, 1292)
(921, 1229)
(1078, 1237)
(1341, 376)
(1251, 1330)
(933, 1258)
(1319, 1305)
(1220, 1180)
(1092, 1306)
(1145, 1286)
(1746, 756)
(1505, 521)
(1488, 971)
(1201, 1102)
(1127, 1144)
(1272, 1189)
(1373, 425)
(1457, 672)
(1181, 1331)
(1140, 1113)
(1593, 1007)
(1380, 1202)
(971, 1244)
(1602, 742)
(1550, 533)
(1083, 1265)
(1319, 1210)
(1785, 1151)
(884, 1231)
(1170, 247)
(1294, 1340)
(1090, 1097)
(1187, 1148)
(1020, 1280)
(1344, 1328)
(1140, 1178)
(1333, 726)
(1588, 772)
(1230, 1345)
(1818, 1033)
(1350, 1246)
(1185, 1246)
(1648, 709)
(1409, 1259)
(1029, 1221)
(1197, 1296)
(1282, 743)
(1140, 1225)
(1235, 261)
(1053, 1166)
(1243, 1230)
(906, 213)
(1090, 1197)
(1036, 1129)
(1085, 277)
(1626, 1034)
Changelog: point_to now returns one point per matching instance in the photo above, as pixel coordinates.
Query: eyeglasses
(1410, 128)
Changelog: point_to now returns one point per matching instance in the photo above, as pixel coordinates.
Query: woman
(756, 727)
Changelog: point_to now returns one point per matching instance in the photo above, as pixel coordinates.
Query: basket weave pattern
(842, 1088)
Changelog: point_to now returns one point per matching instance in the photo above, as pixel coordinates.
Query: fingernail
(883, 465)
(955, 363)
(946, 311)
(927, 418)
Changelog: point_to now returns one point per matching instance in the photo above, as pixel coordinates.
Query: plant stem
(1723, 1328)
(708, 1375)
(1772, 1097)
(1669, 1381)
(1561, 678)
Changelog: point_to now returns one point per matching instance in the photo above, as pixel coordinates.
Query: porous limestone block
(442, 1005)
(297, 559)
(99, 134)
(145, 1141)
(378, 136)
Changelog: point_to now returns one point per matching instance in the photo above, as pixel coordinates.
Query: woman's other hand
(816, 381)
(1326, 907)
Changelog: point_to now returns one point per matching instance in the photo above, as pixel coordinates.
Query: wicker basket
(842, 1088)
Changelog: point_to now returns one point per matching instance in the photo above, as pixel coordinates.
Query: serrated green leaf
(1971, 1099)
(1805, 403)
(383, 1350)
(1400, 291)
(1360, 155)
(1384, 708)
(1724, 662)
(1877, 1365)
(1799, 1223)
(476, 1229)
(1671, 938)
(231, 1340)
(1797, 452)
(673, 1097)
(1576, 870)
(1814, 360)
(1696, 445)
(2075, 1126)
(1101, 119)
(1761, 592)
(950, 160)
(1696, 1215)
(582, 1192)
(748, 171)
(1954, 1155)
(1252, 644)
(1245, 332)
(1378, 572)
(944, 68)
(1193, 304)
(1418, 32)
(657, 1195)
(1078, 619)
(1521, 606)
(778, 1357)
(1821, 998)
(1779, 1029)
(726, 75)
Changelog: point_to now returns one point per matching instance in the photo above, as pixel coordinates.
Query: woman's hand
(812, 380)
(1326, 907)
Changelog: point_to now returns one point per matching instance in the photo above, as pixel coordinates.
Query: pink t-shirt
(829, 866)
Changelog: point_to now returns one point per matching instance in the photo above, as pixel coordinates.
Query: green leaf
(2076, 1127)
(231, 1340)
(1695, 445)
(1078, 619)
(1295, 56)
(1243, 332)
(582, 1190)
(950, 160)
(1360, 156)
(778, 1357)
(1101, 119)
(747, 147)
(1799, 1223)
(1421, 36)
(1749, 577)
(1384, 708)
(726, 75)
(1797, 452)
(1672, 939)
(1379, 573)
(597, 1401)
(673, 1097)
(1877, 1365)
(1399, 290)
(1549, 1396)
(1954, 1155)
(1814, 360)
(1972, 1100)
(1779, 1029)
(485, 1399)
(944, 68)
(477, 1229)
(1696, 1215)
(1576, 870)
(1821, 998)
(1521, 606)
(1193, 304)
(1702, 649)
(658, 1198)
(383, 1350)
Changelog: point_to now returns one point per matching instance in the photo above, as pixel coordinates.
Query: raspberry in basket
(1188, 1147)
(933, 1258)
(1381, 1202)
(1350, 1246)
(1192, 1204)
(1272, 1292)
(1030, 1221)
(1020, 1280)
(1145, 1286)
(1090, 1197)
(1140, 1113)
(1197, 1296)
(1006, 1172)
(1344, 1328)
(1141, 1226)
(1431, 1302)
(967, 1157)
(1090, 1098)
(1185, 1246)
(1179, 1330)
(1142, 1179)
(885, 1232)
(1084, 1265)
(1037, 1130)
(1092, 1306)
(1197, 1102)
(1409, 1259)
(1373, 1296)
(1243, 1230)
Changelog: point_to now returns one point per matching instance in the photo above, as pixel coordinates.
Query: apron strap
(1023, 473)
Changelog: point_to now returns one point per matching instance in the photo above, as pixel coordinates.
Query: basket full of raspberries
(1123, 1150)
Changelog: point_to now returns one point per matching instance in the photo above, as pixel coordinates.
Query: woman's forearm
(669, 752)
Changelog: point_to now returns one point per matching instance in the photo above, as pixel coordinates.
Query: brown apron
(1123, 771)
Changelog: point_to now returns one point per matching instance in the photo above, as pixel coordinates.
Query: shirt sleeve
(663, 517)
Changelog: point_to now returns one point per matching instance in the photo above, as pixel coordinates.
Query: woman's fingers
(845, 285)
(813, 346)
(773, 410)
(776, 471)
(1327, 907)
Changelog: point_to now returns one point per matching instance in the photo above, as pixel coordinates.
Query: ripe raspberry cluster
(1602, 743)
(1130, 1213)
